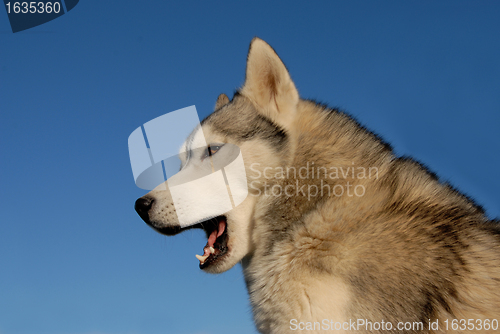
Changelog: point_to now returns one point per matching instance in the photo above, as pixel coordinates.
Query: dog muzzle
(170, 153)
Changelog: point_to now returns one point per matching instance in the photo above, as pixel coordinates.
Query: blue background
(75, 258)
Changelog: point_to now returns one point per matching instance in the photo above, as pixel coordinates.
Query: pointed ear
(222, 100)
(268, 84)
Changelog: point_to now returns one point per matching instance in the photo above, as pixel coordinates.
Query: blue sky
(75, 258)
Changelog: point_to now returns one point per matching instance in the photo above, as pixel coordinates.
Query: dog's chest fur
(289, 276)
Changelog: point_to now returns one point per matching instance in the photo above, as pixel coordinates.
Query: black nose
(142, 206)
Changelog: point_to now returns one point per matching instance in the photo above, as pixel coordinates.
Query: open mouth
(216, 230)
(216, 247)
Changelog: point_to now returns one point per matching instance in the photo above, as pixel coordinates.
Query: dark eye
(211, 150)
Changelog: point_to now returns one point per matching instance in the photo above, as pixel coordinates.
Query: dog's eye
(211, 150)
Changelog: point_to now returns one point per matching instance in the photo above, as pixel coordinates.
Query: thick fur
(410, 249)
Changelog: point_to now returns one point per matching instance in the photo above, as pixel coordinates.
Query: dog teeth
(208, 251)
(202, 258)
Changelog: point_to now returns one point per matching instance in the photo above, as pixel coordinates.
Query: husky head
(259, 120)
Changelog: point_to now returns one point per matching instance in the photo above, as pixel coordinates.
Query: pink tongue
(216, 233)
(212, 238)
(222, 227)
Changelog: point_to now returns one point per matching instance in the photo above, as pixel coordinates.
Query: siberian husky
(337, 234)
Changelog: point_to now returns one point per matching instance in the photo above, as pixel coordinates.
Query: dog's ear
(222, 100)
(268, 84)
